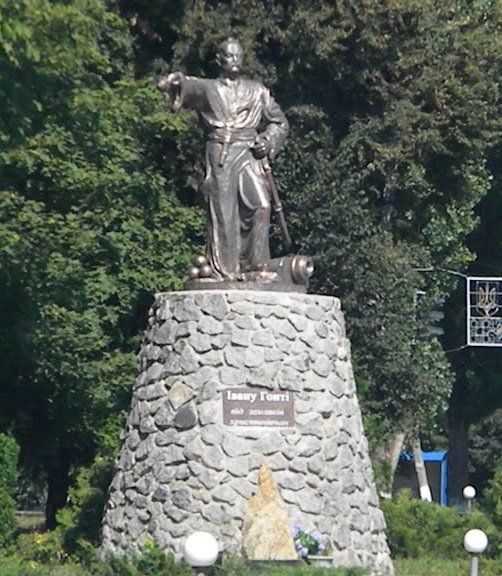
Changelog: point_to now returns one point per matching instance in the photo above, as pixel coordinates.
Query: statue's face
(229, 58)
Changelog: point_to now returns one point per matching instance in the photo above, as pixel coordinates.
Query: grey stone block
(216, 514)
(238, 466)
(253, 357)
(164, 417)
(240, 337)
(212, 358)
(219, 342)
(201, 343)
(185, 418)
(164, 334)
(309, 446)
(179, 394)
(209, 325)
(175, 514)
(189, 361)
(182, 498)
(161, 494)
(233, 446)
(263, 338)
(230, 376)
(154, 372)
(225, 494)
(298, 322)
(212, 457)
(184, 310)
(246, 323)
(323, 366)
(208, 391)
(209, 413)
(214, 305)
(291, 481)
(273, 355)
(211, 435)
(151, 391)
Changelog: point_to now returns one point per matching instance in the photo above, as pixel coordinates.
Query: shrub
(42, 547)
(417, 528)
(80, 521)
(9, 453)
(492, 500)
(7, 517)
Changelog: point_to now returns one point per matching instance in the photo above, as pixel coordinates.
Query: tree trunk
(423, 481)
(58, 483)
(388, 457)
(458, 461)
(394, 448)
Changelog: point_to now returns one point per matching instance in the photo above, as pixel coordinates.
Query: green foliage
(492, 501)
(485, 445)
(9, 453)
(80, 521)
(42, 547)
(90, 227)
(7, 517)
(417, 528)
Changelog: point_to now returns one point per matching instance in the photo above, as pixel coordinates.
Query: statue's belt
(227, 136)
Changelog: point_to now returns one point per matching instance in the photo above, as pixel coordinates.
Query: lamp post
(200, 551)
(475, 542)
(469, 493)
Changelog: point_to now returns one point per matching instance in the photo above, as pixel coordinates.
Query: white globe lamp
(475, 542)
(469, 493)
(200, 550)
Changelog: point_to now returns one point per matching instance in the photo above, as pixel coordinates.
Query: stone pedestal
(219, 374)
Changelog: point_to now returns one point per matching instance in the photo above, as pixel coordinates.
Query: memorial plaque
(252, 407)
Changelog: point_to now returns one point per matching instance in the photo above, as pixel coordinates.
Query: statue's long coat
(235, 187)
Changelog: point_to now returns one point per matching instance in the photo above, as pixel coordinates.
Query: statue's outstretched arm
(183, 90)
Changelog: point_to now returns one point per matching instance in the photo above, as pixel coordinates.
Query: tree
(89, 226)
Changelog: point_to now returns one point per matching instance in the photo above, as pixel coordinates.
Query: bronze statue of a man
(236, 187)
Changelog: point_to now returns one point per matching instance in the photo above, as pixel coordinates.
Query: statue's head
(229, 57)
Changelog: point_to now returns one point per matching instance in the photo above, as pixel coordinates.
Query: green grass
(441, 567)
(235, 566)
(299, 569)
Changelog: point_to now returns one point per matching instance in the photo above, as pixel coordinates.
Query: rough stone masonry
(183, 469)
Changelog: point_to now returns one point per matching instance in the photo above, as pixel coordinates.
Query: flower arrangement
(307, 543)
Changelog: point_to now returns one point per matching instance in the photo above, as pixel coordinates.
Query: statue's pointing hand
(172, 85)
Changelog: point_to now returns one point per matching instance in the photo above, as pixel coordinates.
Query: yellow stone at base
(266, 530)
